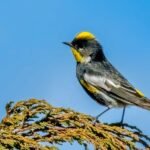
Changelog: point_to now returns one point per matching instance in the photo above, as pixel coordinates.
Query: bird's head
(85, 48)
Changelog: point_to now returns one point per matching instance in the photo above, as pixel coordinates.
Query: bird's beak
(68, 43)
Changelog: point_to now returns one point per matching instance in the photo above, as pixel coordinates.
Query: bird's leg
(123, 114)
(101, 114)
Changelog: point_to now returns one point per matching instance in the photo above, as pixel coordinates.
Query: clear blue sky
(35, 64)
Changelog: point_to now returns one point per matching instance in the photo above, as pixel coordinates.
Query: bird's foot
(96, 120)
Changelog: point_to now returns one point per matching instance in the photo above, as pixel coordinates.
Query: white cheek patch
(87, 59)
(80, 49)
(100, 82)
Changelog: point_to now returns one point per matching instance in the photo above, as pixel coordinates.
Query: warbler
(100, 79)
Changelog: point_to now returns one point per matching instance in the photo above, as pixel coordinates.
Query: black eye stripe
(79, 43)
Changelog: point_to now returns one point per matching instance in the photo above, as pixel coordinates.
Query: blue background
(35, 64)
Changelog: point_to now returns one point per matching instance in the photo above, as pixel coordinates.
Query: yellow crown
(84, 36)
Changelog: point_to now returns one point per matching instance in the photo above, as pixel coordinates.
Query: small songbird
(100, 79)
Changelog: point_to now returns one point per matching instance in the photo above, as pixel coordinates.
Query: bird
(100, 79)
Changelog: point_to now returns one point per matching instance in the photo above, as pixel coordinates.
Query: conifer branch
(35, 124)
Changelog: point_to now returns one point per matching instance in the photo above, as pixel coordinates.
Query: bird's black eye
(78, 44)
(75, 45)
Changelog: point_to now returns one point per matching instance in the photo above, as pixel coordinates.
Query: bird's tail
(144, 103)
(139, 99)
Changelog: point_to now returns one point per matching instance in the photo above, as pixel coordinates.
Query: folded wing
(120, 91)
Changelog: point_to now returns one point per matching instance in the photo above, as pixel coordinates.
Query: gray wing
(106, 77)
